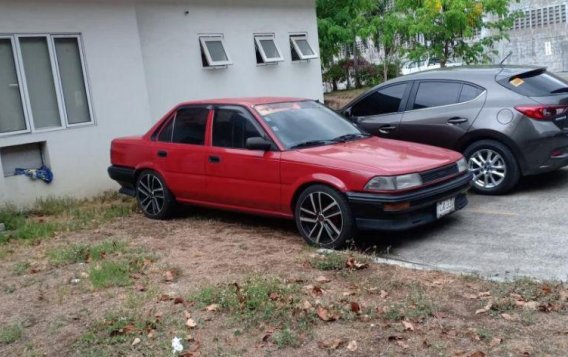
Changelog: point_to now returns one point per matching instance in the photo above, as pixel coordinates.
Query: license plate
(445, 207)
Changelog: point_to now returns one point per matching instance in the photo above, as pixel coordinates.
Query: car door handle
(386, 129)
(457, 120)
(162, 153)
(214, 159)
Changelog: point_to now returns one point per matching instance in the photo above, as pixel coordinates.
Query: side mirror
(347, 113)
(258, 143)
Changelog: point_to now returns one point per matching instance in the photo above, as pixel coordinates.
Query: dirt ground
(313, 304)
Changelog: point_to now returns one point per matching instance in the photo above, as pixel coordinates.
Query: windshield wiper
(312, 143)
(349, 137)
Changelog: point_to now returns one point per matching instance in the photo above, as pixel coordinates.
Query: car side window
(166, 132)
(469, 92)
(435, 94)
(382, 101)
(189, 126)
(232, 127)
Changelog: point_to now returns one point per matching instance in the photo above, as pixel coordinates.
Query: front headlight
(462, 165)
(392, 183)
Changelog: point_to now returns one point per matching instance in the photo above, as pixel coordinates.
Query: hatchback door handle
(162, 153)
(457, 120)
(214, 159)
(386, 129)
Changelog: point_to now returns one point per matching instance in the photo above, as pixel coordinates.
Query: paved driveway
(524, 233)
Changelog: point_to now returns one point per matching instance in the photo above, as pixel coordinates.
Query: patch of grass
(286, 338)
(484, 333)
(51, 215)
(10, 333)
(257, 300)
(417, 306)
(21, 267)
(328, 261)
(108, 274)
(81, 253)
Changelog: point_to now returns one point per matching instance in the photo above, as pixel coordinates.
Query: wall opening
(26, 156)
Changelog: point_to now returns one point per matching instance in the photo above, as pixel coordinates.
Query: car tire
(494, 167)
(153, 196)
(323, 217)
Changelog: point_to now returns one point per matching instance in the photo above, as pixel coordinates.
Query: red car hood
(379, 156)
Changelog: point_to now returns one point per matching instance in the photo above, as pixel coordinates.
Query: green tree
(447, 29)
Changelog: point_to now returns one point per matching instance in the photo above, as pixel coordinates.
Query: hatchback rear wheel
(323, 217)
(153, 196)
(495, 170)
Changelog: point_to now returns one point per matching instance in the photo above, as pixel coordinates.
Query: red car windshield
(304, 124)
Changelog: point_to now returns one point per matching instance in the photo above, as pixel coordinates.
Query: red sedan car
(289, 158)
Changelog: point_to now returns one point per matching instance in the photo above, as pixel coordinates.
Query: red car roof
(246, 101)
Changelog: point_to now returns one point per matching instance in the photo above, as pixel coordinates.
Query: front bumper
(369, 213)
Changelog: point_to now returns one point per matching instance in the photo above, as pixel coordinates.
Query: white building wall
(172, 57)
(142, 58)
(79, 157)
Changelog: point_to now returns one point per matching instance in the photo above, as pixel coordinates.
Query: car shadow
(284, 226)
(543, 182)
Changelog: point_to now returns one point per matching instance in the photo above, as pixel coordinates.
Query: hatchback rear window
(537, 83)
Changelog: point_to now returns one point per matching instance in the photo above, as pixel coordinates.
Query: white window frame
(203, 39)
(85, 80)
(20, 84)
(58, 86)
(303, 57)
(265, 59)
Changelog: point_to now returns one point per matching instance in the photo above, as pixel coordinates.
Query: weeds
(10, 333)
(328, 261)
(108, 274)
(286, 338)
(82, 253)
(21, 268)
(52, 215)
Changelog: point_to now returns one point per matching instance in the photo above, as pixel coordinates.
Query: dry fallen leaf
(190, 323)
(136, 341)
(352, 346)
(507, 317)
(402, 344)
(351, 263)
(325, 315)
(484, 294)
(186, 314)
(139, 287)
(384, 294)
(408, 326)
(348, 293)
(178, 300)
(189, 338)
(495, 341)
(355, 307)
(530, 305)
(316, 291)
(306, 305)
(322, 279)
(484, 309)
(169, 276)
(477, 354)
(470, 296)
(212, 307)
(331, 344)
(395, 338)
(274, 296)
(165, 297)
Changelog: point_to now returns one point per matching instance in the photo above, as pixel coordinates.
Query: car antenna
(506, 58)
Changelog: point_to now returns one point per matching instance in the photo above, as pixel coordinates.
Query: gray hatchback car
(508, 121)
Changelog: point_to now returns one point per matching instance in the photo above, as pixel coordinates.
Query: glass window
(301, 48)
(539, 83)
(232, 127)
(72, 80)
(267, 51)
(189, 126)
(166, 132)
(213, 51)
(469, 92)
(435, 94)
(307, 123)
(40, 82)
(383, 101)
(12, 117)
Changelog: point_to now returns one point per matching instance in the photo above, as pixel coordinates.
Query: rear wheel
(154, 198)
(323, 217)
(495, 170)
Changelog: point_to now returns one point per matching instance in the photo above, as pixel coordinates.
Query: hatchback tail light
(542, 112)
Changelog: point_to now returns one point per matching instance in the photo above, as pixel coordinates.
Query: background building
(540, 36)
(76, 74)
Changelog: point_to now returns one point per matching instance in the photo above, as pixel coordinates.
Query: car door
(440, 112)
(238, 177)
(181, 152)
(380, 111)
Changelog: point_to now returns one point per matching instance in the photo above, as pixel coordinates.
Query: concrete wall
(529, 44)
(172, 57)
(79, 156)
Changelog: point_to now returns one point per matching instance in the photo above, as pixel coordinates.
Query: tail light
(542, 112)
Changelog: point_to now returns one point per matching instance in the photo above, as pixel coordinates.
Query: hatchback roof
(465, 71)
